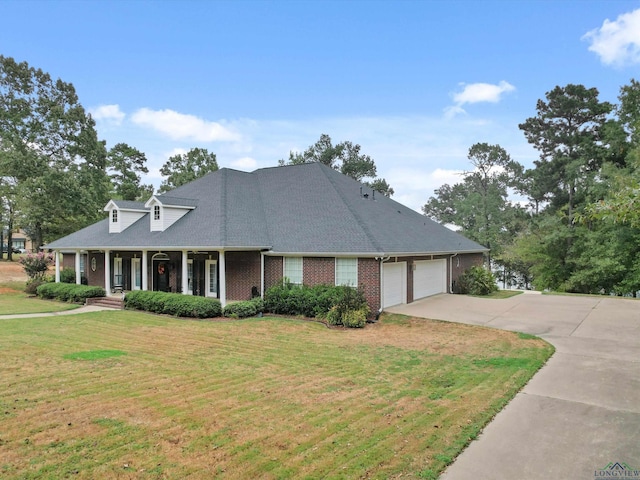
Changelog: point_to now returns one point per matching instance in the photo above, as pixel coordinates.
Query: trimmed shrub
(69, 292)
(337, 304)
(249, 308)
(477, 281)
(173, 304)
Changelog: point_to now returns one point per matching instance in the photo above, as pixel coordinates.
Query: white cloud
(482, 92)
(617, 42)
(110, 113)
(476, 93)
(179, 126)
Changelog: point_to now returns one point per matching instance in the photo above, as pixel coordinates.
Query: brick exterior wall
(319, 271)
(243, 273)
(463, 262)
(272, 271)
(68, 261)
(369, 280)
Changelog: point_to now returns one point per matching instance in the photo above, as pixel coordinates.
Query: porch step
(108, 302)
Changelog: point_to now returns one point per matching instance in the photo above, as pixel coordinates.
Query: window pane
(213, 278)
(293, 269)
(347, 271)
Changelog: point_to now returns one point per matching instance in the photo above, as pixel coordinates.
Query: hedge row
(339, 305)
(289, 299)
(175, 304)
(69, 292)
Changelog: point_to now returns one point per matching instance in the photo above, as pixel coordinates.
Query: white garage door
(429, 278)
(394, 284)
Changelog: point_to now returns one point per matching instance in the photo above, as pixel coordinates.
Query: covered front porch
(226, 275)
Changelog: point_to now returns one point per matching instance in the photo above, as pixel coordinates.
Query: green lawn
(122, 394)
(13, 302)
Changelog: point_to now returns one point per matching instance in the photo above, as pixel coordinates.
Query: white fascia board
(368, 254)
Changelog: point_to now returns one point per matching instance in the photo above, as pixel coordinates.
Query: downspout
(261, 274)
(381, 260)
(451, 272)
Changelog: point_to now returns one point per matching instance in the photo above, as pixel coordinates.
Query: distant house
(19, 241)
(233, 234)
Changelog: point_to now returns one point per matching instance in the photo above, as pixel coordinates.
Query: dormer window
(165, 210)
(123, 214)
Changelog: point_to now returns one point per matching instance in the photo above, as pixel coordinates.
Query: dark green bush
(477, 281)
(68, 276)
(289, 299)
(241, 309)
(175, 304)
(33, 284)
(334, 303)
(350, 309)
(69, 292)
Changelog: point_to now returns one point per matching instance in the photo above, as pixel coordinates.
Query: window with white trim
(156, 212)
(293, 270)
(114, 216)
(347, 271)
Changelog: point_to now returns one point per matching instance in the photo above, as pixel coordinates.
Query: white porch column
(145, 271)
(107, 271)
(78, 276)
(185, 272)
(223, 280)
(56, 255)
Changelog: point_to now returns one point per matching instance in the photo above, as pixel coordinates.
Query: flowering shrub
(36, 265)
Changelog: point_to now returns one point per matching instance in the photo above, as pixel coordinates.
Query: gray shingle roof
(310, 209)
(129, 205)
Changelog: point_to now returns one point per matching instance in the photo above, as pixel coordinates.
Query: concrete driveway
(580, 414)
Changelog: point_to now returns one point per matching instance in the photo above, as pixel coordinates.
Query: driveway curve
(579, 416)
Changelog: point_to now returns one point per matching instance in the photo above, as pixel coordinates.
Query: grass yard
(122, 394)
(13, 300)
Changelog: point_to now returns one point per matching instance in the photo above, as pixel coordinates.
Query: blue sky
(415, 83)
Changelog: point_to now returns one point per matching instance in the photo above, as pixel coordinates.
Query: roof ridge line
(357, 218)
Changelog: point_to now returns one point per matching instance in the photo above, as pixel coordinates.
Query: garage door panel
(394, 284)
(429, 278)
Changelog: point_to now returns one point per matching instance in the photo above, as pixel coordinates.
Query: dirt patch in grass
(12, 272)
(258, 398)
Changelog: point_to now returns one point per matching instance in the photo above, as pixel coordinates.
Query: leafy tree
(344, 157)
(480, 204)
(567, 131)
(125, 164)
(184, 168)
(50, 153)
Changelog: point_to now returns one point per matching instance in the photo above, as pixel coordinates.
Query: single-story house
(233, 234)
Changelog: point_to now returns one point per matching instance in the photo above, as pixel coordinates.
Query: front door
(161, 275)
